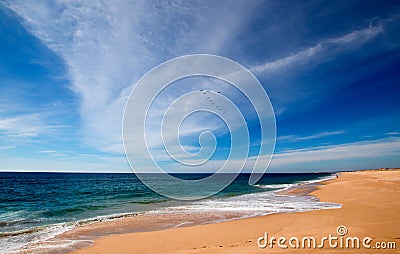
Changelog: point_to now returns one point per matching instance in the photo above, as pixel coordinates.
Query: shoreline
(83, 237)
(370, 207)
(84, 233)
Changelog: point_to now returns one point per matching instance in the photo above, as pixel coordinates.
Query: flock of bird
(205, 92)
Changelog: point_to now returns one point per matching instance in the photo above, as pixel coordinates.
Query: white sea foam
(289, 185)
(274, 186)
(22, 238)
(25, 239)
(254, 204)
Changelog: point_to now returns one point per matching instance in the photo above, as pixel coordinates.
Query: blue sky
(330, 68)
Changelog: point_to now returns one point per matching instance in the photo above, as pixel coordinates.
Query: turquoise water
(38, 206)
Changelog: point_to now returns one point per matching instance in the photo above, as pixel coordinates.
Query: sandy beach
(370, 212)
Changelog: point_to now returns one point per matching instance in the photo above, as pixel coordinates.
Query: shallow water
(35, 207)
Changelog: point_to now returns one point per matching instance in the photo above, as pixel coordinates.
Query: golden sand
(370, 208)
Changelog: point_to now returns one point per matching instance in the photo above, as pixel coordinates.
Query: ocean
(36, 207)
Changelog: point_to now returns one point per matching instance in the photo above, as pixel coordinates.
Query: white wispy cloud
(392, 133)
(315, 136)
(365, 149)
(298, 160)
(28, 126)
(322, 50)
(23, 126)
(64, 164)
(107, 46)
(47, 151)
(8, 147)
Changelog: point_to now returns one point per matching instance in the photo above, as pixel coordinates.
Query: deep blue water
(33, 202)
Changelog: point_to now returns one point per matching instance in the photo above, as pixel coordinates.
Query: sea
(36, 207)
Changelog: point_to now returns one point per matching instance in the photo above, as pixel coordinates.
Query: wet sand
(370, 208)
